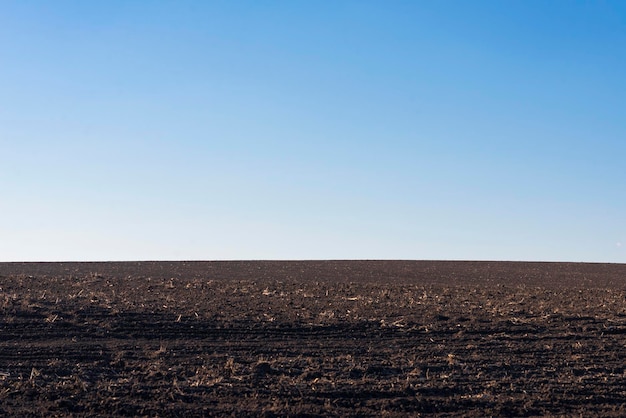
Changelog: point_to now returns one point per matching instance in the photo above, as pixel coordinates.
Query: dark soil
(339, 338)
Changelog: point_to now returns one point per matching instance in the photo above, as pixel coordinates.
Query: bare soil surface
(314, 338)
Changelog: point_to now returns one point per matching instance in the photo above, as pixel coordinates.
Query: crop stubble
(312, 338)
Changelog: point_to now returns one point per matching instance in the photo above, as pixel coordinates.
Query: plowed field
(317, 338)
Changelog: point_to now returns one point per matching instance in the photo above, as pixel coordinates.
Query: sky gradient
(180, 130)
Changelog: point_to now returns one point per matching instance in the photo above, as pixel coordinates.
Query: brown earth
(317, 338)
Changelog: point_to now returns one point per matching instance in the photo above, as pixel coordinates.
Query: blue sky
(476, 130)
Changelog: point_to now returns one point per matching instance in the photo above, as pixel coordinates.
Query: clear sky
(476, 130)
